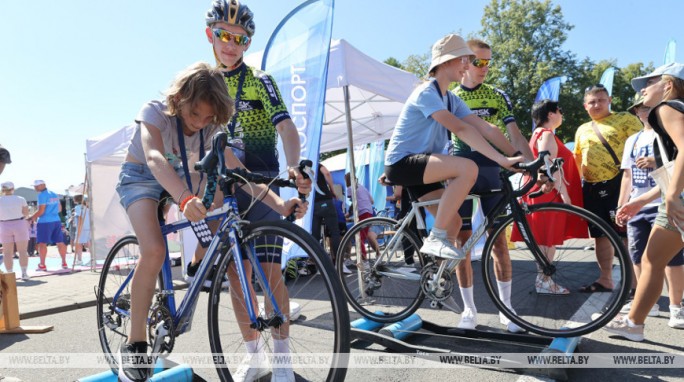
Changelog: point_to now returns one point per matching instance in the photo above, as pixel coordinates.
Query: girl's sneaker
(621, 326)
(41, 268)
(676, 317)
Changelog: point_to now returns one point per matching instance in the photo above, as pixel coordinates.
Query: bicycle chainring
(439, 291)
(158, 314)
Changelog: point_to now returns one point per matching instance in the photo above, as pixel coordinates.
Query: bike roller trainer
(164, 371)
(394, 338)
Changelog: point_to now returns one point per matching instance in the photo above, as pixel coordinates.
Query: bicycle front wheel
(318, 320)
(384, 282)
(114, 297)
(548, 301)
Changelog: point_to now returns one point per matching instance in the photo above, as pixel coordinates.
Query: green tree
(417, 64)
(393, 62)
(526, 38)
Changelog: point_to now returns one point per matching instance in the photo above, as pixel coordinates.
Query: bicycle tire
(393, 288)
(559, 315)
(323, 323)
(113, 326)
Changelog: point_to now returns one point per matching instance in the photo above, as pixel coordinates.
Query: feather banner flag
(550, 89)
(670, 52)
(297, 57)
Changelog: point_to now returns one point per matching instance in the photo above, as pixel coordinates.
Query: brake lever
(305, 168)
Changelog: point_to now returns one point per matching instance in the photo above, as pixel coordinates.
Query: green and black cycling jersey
(488, 103)
(259, 109)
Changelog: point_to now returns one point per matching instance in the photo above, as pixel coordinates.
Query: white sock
(281, 346)
(440, 233)
(254, 346)
(675, 307)
(630, 323)
(468, 301)
(505, 291)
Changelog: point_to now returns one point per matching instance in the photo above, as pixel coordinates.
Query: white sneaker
(346, 270)
(621, 327)
(654, 312)
(511, 326)
(253, 367)
(676, 317)
(349, 263)
(295, 311)
(468, 319)
(25, 277)
(283, 373)
(441, 247)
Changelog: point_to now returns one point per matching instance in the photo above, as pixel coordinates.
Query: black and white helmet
(231, 12)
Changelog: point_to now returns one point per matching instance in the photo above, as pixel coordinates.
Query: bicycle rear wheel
(114, 294)
(318, 316)
(574, 265)
(389, 275)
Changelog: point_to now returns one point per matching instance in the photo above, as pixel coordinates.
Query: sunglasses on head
(482, 62)
(594, 87)
(226, 37)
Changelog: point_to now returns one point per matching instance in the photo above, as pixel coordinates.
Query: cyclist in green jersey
(492, 105)
(260, 117)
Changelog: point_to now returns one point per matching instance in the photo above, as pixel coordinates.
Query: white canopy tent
(104, 155)
(375, 96)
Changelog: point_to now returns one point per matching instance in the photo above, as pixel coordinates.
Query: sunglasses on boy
(226, 37)
(482, 62)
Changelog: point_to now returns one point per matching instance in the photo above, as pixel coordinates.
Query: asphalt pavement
(66, 301)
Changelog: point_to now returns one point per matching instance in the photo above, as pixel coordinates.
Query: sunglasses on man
(481, 62)
(226, 37)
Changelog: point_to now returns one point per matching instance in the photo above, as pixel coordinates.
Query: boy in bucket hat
(414, 156)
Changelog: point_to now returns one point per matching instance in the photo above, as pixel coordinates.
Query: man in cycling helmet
(261, 116)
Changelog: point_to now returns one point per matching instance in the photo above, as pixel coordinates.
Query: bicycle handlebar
(535, 168)
(214, 165)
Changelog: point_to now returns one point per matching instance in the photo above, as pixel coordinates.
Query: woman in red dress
(551, 229)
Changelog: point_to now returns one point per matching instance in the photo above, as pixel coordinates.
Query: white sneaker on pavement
(621, 327)
(468, 319)
(676, 317)
(511, 326)
(253, 367)
(442, 248)
(283, 373)
(346, 270)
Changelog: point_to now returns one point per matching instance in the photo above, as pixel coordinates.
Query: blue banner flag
(670, 52)
(297, 57)
(550, 90)
(607, 79)
(376, 167)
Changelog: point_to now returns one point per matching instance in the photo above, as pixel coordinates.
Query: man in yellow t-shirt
(600, 170)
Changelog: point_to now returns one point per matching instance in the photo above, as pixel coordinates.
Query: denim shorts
(662, 219)
(136, 182)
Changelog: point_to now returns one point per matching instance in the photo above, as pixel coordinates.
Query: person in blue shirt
(414, 156)
(49, 228)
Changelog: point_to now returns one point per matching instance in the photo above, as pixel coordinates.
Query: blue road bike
(316, 315)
